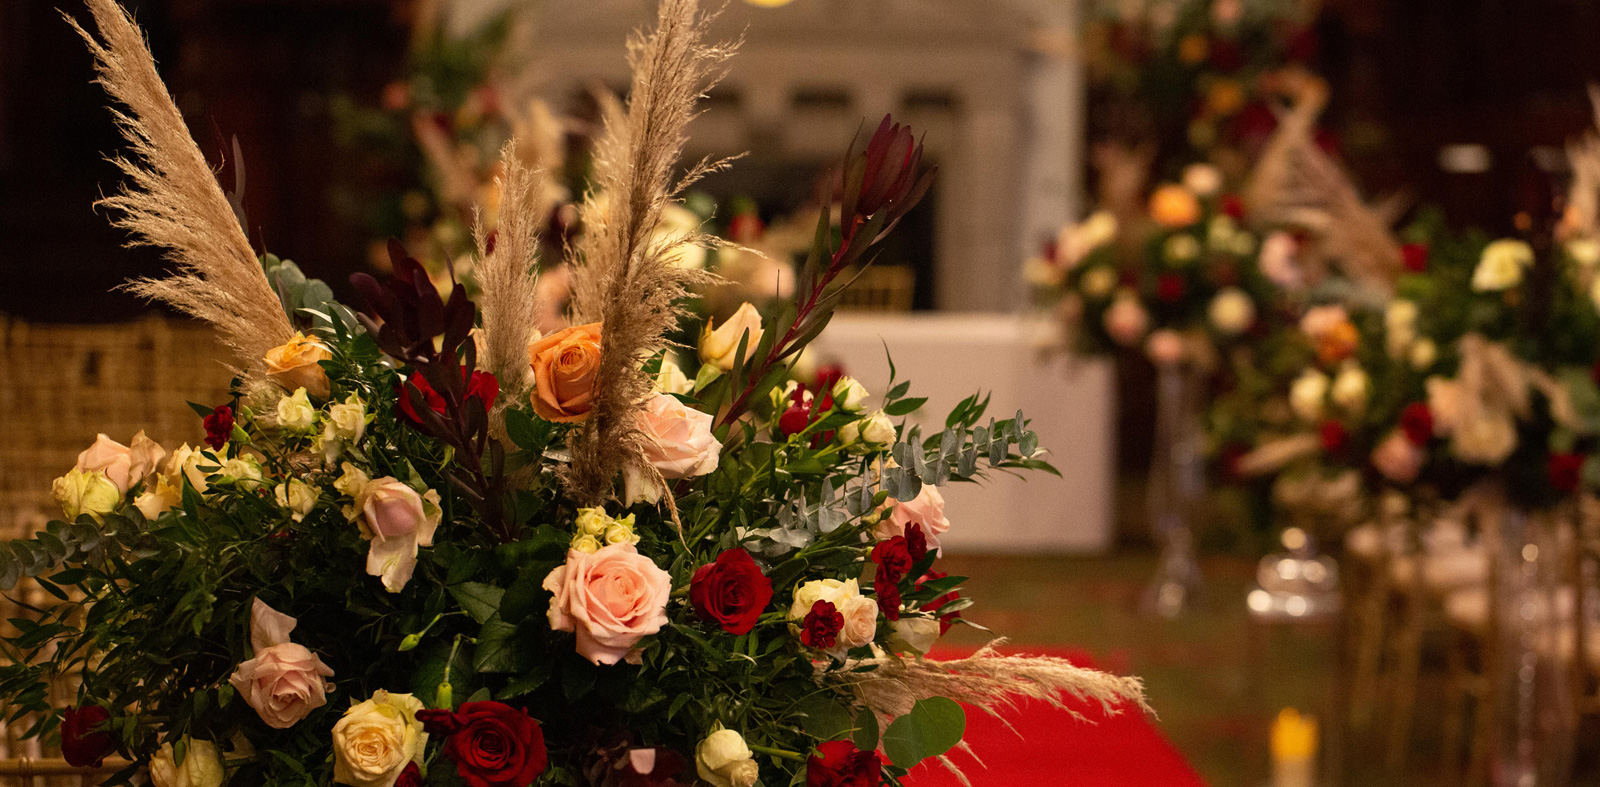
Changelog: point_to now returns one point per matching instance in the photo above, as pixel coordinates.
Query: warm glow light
(768, 3)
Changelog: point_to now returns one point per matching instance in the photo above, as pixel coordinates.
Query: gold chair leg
(1407, 664)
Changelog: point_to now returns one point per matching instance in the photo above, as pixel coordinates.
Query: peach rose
(564, 365)
(284, 681)
(1126, 321)
(295, 365)
(1174, 206)
(1397, 458)
(717, 347)
(926, 509)
(123, 465)
(678, 440)
(610, 598)
(397, 521)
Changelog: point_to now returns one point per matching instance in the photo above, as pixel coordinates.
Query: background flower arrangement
(577, 563)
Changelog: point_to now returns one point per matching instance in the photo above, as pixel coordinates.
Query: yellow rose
(186, 461)
(375, 740)
(592, 521)
(586, 544)
(202, 766)
(295, 365)
(1174, 206)
(1500, 266)
(85, 492)
(718, 346)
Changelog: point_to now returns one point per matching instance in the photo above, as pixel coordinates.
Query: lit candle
(1294, 749)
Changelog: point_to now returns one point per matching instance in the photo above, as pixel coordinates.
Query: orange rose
(294, 365)
(564, 365)
(1337, 343)
(1174, 206)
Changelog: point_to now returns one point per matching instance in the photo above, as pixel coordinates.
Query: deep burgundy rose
(1334, 437)
(893, 558)
(1414, 256)
(1232, 206)
(841, 764)
(821, 626)
(219, 426)
(732, 592)
(916, 541)
(482, 384)
(1566, 471)
(888, 595)
(1416, 421)
(82, 746)
(947, 620)
(494, 744)
(1170, 287)
(410, 777)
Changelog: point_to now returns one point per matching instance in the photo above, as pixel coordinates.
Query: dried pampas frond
(1295, 182)
(986, 680)
(175, 202)
(624, 271)
(509, 275)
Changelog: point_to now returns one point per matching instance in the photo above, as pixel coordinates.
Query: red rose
(1414, 256)
(916, 541)
(219, 426)
(83, 746)
(820, 629)
(495, 745)
(827, 375)
(480, 384)
(1232, 206)
(1566, 471)
(893, 559)
(410, 777)
(841, 764)
(945, 621)
(1170, 287)
(1334, 437)
(1416, 421)
(732, 591)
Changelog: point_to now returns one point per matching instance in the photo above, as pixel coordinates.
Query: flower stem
(784, 753)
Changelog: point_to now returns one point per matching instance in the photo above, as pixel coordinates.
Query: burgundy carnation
(82, 746)
(1414, 256)
(732, 592)
(821, 626)
(1566, 471)
(495, 745)
(888, 594)
(410, 777)
(1334, 437)
(916, 541)
(1416, 421)
(219, 426)
(841, 764)
(893, 558)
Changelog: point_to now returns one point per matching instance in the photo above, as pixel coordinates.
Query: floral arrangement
(435, 546)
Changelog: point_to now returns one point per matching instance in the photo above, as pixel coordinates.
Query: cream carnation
(611, 599)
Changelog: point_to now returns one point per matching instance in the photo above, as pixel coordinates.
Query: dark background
(1408, 76)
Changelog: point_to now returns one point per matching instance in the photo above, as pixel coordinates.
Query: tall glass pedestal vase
(1176, 489)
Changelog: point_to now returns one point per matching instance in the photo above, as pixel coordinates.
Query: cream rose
(202, 766)
(671, 379)
(860, 613)
(1422, 354)
(913, 635)
(834, 591)
(396, 520)
(1231, 312)
(1306, 394)
(123, 465)
(297, 496)
(723, 759)
(610, 599)
(869, 433)
(564, 365)
(244, 470)
(186, 462)
(677, 439)
(347, 421)
(159, 495)
(849, 395)
(1501, 265)
(1485, 440)
(1202, 179)
(376, 739)
(284, 681)
(860, 622)
(296, 364)
(1126, 321)
(1350, 388)
(717, 347)
(295, 412)
(926, 509)
(85, 492)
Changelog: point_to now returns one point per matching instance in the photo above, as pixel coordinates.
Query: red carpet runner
(1056, 750)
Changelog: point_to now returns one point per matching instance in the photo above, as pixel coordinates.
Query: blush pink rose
(926, 509)
(610, 598)
(678, 439)
(123, 465)
(284, 681)
(1397, 458)
(397, 521)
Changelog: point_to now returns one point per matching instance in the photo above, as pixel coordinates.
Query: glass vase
(1176, 489)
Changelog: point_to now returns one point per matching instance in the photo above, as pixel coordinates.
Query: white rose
(872, 433)
(830, 590)
(621, 532)
(1423, 353)
(1098, 282)
(202, 767)
(347, 421)
(375, 740)
(1500, 267)
(1486, 440)
(677, 439)
(1181, 248)
(1350, 388)
(1202, 179)
(295, 413)
(849, 395)
(1306, 395)
(352, 481)
(586, 544)
(723, 759)
(913, 635)
(671, 379)
(1231, 312)
(297, 496)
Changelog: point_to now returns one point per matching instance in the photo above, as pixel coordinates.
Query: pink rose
(123, 465)
(1397, 458)
(1126, 321)
(610, 598)
(926, 509)
(678, 440)
(397, 521)
(284, 681)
